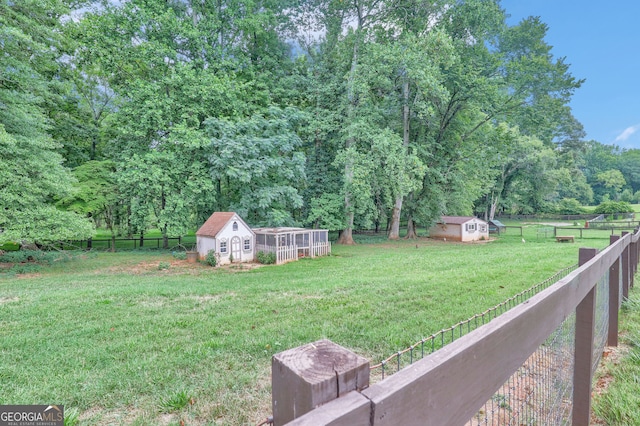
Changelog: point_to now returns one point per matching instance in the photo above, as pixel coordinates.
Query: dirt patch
(101, 415)
(176, 267)
(5, 267)
(207, 298)
(126, 416)
(611, 356)
(8, 300)
(241, 267)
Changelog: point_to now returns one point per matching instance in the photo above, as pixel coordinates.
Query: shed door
(236, 249)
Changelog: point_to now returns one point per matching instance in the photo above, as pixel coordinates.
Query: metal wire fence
(571, 323)
(428, 345)
(601, 326)
(540, 392)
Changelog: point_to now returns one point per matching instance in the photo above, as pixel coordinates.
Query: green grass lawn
(619, 405)
(118, 339)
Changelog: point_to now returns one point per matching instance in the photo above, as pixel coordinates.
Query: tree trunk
(394, 232)
(346, 237)
(411, 229)
(494, 205)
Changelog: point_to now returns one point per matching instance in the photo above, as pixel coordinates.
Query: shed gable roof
(457, 220)
(217, 222)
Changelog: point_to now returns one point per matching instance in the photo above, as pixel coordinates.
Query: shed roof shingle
(214, 224)
(456, 220)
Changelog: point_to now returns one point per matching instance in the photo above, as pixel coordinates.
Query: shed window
(483, 228)
(223, 246)
(471, 227)
(235, 226)
(246, 242)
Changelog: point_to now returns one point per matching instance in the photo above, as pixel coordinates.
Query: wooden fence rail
(95, 243)
(449, 386)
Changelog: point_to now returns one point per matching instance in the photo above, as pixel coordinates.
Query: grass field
(120, 338)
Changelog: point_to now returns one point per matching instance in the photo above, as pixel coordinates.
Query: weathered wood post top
(308, 376)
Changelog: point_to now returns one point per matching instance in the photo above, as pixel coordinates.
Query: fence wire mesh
(428, 345)
(540, 392)
(601, 326)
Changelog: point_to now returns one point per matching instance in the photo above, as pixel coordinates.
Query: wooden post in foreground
(585, 319)
(614, 298)
(308, 376)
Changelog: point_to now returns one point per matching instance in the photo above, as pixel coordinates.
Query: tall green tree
(523, 176)
(257, 166)
(613, 180)
(169, 187)
(452, 143)
(95, 194)
(32, 175)
(171, 66)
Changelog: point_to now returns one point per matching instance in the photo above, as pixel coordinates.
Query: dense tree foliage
(32, 175)
(142, 114)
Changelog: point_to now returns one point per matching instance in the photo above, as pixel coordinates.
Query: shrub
(612, 207)
(10, 246)
(627, 195)
(211, 259)
(163, 265)
(266, 258)
(38, 256)
(569, 206)
(180, 255)
(29, 261)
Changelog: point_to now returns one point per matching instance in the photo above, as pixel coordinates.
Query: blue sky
(601, 41)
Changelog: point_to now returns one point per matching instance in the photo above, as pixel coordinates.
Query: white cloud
(626, 134)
